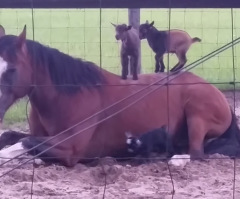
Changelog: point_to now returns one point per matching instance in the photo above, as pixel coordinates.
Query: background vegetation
(77, 32)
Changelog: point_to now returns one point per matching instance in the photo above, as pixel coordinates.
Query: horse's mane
(73, 73)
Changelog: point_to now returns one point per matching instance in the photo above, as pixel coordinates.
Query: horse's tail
(233, 131)
(196, 39)
(228, 143)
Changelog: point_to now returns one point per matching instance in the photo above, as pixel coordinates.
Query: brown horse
(64, 91)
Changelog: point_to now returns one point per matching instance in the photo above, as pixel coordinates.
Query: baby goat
(156, 140)
(130, 48)
(161, 42)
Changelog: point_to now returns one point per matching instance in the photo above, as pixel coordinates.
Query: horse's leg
(134, 65)
(169, 146)
(11, 137)
(196, 133)
(124, 62)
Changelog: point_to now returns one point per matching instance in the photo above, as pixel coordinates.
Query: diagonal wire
(100, 121)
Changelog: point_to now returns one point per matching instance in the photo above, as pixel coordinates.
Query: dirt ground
(210, 179)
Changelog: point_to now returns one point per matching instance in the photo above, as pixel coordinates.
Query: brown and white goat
(161, 42)
(130, 48)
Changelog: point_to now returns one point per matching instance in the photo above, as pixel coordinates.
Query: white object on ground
(179, 160)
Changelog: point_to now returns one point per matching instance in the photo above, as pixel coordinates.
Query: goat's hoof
(124, 77)
(135, 78)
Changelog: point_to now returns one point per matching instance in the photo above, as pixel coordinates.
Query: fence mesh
(77, 33)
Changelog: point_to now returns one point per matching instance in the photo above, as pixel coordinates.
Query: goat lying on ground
(130, 47)
(156, 140)
(161, 42)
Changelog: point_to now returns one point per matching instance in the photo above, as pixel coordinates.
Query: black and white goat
(156, 140)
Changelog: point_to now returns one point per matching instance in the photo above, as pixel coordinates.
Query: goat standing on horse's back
(161, 42)
(130, 47)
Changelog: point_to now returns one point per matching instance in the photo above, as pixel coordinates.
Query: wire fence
(78, 32)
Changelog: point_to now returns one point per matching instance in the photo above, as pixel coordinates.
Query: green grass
(17, 113)
(77, 33)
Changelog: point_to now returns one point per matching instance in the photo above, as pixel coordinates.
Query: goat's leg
(162, 64)
(124, 62)
(157, 64)
(134, 65)
(182, 61)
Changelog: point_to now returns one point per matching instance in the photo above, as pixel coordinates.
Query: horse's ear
(21, 38)
(129, 27)
(2, 31)
(128, 134)
(114, 24)
(151, 24)
(147, 22)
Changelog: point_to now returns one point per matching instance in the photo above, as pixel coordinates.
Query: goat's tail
(196, 39)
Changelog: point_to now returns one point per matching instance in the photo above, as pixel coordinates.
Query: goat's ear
(128, 134)
(2, 31)
(114, 24)
(21, 38)
(151, 24)
(129, 27)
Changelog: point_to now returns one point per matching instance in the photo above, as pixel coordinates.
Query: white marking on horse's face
(13, 151)
(3, 68)
(180, 160)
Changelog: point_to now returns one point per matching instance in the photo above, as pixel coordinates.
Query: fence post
(134, 21)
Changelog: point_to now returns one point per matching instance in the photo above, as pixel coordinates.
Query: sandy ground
(213, 179)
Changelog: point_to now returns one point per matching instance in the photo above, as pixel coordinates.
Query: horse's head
(144, 29)
(15, 70)
(133, 143)
(121, 31)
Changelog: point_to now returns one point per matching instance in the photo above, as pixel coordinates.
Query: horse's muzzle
(117, 37)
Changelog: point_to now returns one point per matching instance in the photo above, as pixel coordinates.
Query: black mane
(68, 74)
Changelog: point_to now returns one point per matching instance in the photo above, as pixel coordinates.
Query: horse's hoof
(124, 78)
(199, 157)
